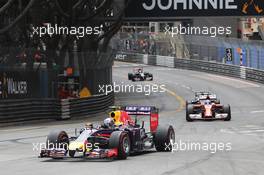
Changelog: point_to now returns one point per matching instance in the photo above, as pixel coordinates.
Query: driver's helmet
(140, 71)
(109, 123)
(207, 97)
(88, 125)
(207, 102)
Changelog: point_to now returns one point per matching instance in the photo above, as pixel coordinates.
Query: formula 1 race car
(139, 75)
(206, 106)
(124, 138)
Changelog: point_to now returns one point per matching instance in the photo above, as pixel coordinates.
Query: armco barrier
(36, 109)
(29, 109)
(198, 65)
(84, 107)
(255, 75)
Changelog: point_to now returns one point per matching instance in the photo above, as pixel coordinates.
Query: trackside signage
(191, 8)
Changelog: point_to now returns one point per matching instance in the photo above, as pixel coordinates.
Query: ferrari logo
(252, 3)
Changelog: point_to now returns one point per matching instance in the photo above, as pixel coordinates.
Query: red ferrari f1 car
(206, 106)
(127, 134)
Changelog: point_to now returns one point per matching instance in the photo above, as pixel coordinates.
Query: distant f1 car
(139, 75)
(206, 106)
(125, 138)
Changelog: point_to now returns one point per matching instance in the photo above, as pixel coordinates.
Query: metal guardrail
(29, 109)
(93, 105)
(36, 109)
(197, 65)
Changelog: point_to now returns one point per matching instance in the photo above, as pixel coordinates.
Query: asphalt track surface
(245, 132)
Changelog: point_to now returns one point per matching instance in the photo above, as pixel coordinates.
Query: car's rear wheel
(121, 141)
(217, 101)
(227, 109)
(164, 138)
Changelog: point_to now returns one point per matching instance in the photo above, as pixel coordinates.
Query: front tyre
(164, 138)
(189, 110)
(130, 76)
(71, 153)
(227, 109)
(57, 139)
(121, 141)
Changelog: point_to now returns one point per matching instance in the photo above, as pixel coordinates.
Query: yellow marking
(178, 98)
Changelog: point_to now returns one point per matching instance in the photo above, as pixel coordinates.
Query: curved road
(244, 134)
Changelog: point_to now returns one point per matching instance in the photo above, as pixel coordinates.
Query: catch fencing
(244, 53)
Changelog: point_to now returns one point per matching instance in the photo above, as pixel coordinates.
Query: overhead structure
(157, 10)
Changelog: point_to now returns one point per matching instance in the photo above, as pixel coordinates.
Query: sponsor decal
(167, 9)
(9, 86)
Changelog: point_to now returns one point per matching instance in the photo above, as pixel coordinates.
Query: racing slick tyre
(121, 141)
(151, 76)
(217, 101)
(163, 138)
(130, 76)
(227, 109)
(189, 110)
(58, 139)
(71, 153)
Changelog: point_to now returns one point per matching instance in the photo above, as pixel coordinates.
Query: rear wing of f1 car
(151, 111)
(204, 95)
(140, 110)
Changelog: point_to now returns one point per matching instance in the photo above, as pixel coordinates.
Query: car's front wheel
(227, 109)
(71, 153)
(121, 141)
(57, 139)
(164, 138)
(189, 110)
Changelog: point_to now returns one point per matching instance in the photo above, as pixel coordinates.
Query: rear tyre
(227, 109)
(163, 138)
(217, 101)
(121, 141)
(189, 110)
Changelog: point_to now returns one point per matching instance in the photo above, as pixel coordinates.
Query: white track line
(255, 112)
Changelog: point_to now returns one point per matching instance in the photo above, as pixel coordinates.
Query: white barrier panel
(243, 72)
(165, 61)
(145, 59)
(170, 62)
